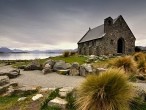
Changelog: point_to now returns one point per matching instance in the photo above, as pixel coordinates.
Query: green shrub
(127, 63)
(66, 54)
(70, 98)
(107, 91)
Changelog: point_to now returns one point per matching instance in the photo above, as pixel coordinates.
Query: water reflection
(25, 56)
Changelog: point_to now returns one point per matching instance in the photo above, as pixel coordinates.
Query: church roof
(95, 33)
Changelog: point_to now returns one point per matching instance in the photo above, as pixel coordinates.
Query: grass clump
(66, 54)
(139, 57)
(70, 98)
(126, 63)
(141, 66)
(107, 91)
(52, 95)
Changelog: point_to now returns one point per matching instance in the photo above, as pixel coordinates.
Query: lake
(26, 56)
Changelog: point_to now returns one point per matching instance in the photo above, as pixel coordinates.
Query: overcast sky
(59, 24)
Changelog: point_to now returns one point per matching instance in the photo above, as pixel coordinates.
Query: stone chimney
(108, 23)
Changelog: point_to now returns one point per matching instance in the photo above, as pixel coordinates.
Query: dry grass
(139, 57)
(107, 91)
(126, 63)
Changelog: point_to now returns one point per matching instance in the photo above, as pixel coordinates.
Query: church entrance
(120, 46)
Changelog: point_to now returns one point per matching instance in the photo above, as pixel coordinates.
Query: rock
(37, 97)
(4, 89)
(58, 102)
(4, 80)
(14, 73)
(64, 91)
(83, 71)
(99, 70)
(52, 89)
(63, 72)
(88, 68)
(13, 84)
(60, 65)
(50, 62)
(22, 99)
(68, 65)
(91, 58)
(74, 72)
(24, 90)
(47, 69)
(75, 65)
(34, 65)
(44, 90)
(9, 91)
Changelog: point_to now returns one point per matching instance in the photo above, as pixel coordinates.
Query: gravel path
(37, 78)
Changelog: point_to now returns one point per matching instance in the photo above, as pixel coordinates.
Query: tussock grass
(139, 56)
(141, 66)
(107, 91)
(66, 54)
(126, 63)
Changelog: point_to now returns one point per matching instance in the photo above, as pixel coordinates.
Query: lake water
(26, 56)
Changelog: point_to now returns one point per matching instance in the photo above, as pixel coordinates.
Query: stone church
(112, 37)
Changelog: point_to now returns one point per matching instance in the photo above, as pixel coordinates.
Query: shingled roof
(95, 33)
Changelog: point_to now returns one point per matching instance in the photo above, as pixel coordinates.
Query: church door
(120, 46)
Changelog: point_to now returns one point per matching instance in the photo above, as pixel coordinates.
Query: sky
(60, 24)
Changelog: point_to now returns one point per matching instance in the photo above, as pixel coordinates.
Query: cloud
(48, 24)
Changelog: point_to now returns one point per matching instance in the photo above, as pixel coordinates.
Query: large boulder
(34, 65)
(47, 68)
(13, 73)
(75, 65)
(4, 80)
(50, 62)
(74, 72)
(74, 69)
(61, 65)
(86, 69)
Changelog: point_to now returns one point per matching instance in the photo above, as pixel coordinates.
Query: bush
(72, 53)
(66, 54)
(107, 91)
(127, 63)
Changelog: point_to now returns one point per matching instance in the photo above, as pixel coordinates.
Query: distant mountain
(5, 50)
(18, 51)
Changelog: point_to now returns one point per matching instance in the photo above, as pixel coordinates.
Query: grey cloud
(51, 22)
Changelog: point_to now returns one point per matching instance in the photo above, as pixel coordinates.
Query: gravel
(51, 80)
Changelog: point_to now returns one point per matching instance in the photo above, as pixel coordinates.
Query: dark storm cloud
(54, 23)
